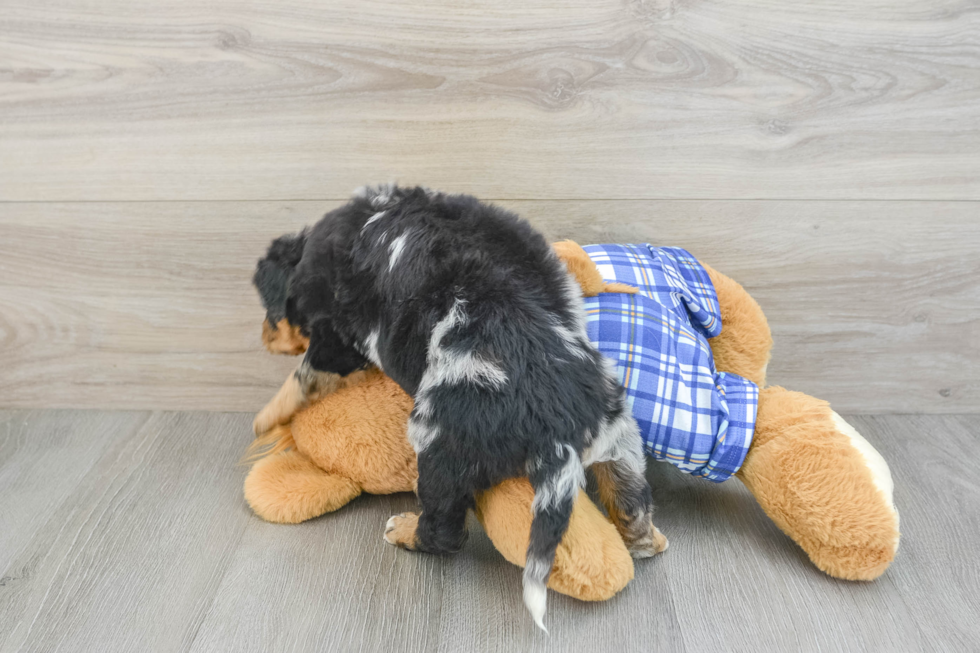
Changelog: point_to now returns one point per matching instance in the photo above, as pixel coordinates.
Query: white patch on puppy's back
(468, 368)
(454, 318)
(573, 343)
(395, 250)
(575, 336)
(573, 295)
(371, 348)
(451, 367)
(421, 434)
(374, 218)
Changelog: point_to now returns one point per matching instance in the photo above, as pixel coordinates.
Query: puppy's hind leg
(445, 496)
(623, 489)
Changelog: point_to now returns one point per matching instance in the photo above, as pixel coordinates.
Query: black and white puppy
(470, 311)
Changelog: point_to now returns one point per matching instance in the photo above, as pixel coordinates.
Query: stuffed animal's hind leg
(288, 488)
(744, 344)
(823, 484)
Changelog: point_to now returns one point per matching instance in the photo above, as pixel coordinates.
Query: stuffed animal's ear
(585, 271)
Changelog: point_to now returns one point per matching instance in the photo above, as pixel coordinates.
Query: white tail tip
(536, 599)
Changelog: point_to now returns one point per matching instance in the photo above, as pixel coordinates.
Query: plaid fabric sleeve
(692, 286)
(741, 401)
(689, 415)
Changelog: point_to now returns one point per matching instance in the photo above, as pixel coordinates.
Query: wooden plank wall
(825, 154)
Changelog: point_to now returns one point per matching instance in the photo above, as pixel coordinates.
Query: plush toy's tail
(280, 438)
(556, 478)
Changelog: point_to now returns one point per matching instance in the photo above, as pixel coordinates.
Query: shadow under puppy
(470, 311)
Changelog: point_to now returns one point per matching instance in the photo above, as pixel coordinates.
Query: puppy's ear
(287, 250)
(274, 272)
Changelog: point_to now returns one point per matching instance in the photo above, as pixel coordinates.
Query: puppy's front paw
(400, 530)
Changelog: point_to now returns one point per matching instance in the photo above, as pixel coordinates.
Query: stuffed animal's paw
(267, 418)
(400, 530)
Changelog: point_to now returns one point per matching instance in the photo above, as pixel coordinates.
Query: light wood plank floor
(125, 531)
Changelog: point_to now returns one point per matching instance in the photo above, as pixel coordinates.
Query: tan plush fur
(581, 266)
(810, 480)
(281, 408)
(803, 471)
(401, 530)
(585, 272)
(355, 440)
(368, 422)
(745, 341)
(591, 562)
(288, 488)
(333, 450)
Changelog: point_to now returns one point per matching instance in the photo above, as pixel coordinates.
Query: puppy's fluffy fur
(467, 308)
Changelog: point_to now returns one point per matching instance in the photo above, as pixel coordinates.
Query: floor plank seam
(217, 587)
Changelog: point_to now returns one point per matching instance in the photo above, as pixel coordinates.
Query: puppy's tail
(556, 476)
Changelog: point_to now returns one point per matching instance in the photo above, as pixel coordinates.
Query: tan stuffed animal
(821, 482)
(814, 475)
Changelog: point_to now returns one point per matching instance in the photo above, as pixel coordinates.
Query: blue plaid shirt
(690, 415)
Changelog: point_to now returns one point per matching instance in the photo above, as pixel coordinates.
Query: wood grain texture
(484, 610)
(331, 584)
(874, 305)
(933, 462)
(163, 100)
(44, 455)
(155, 549)
(132, 560)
